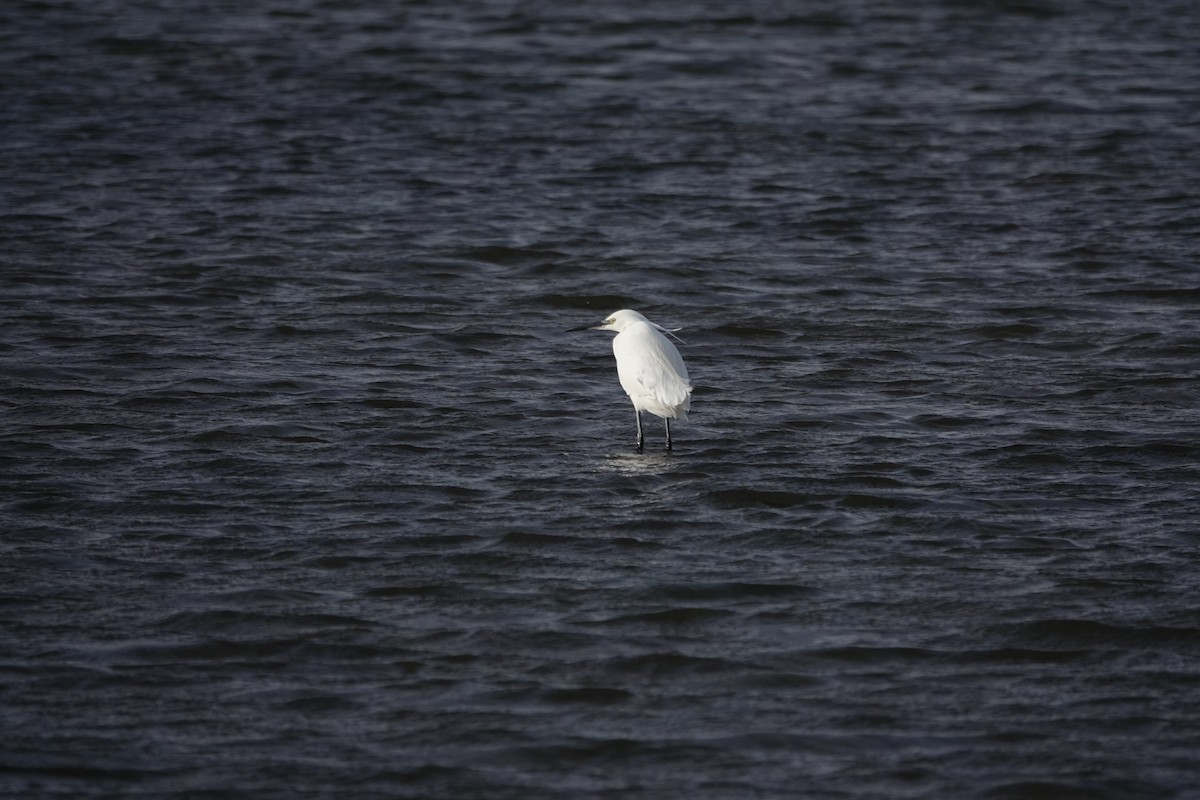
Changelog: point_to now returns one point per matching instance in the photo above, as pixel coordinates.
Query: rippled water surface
(306, 492)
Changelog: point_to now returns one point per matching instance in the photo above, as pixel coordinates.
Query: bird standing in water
(649, 367)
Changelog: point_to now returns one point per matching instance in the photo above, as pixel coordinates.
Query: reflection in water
(658, 463)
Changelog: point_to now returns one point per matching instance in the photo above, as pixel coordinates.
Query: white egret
(649, 367)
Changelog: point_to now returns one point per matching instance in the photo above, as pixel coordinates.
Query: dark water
(306, 492)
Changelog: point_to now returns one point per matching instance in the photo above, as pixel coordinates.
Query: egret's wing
(649, 365)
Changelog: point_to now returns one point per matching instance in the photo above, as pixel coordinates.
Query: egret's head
(620, 320)
(616, 321)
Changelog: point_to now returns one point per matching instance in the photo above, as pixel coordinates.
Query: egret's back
(652, 372)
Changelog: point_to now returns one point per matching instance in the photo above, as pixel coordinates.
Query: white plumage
(650, 369)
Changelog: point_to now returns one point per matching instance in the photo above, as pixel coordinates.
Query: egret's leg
(641, 439)
(668, 421)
